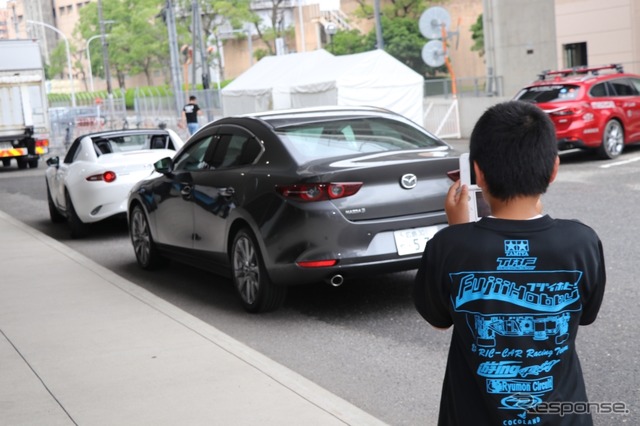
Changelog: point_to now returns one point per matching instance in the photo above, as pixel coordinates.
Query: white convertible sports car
(93, 180)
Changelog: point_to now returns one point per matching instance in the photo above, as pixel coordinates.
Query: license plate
(5, 145)
(412, 241)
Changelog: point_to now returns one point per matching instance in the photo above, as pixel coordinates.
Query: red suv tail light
(318, 191)
(583, 111)
(106, 177)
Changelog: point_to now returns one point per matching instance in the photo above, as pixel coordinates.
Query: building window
(575, 55)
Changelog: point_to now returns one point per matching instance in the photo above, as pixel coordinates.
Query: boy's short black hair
(514, 144)
(192, 98)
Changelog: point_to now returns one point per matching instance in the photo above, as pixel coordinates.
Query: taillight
(568, 111)
(319, 191)
(42, 142)
(317, 263)
(583, 111)
(106, 177)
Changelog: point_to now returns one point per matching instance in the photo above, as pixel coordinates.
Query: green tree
(275, 28)
(218, 17)
(477, 35)
(346, 42)
(58, 61)
(400, 32)
(137, 41)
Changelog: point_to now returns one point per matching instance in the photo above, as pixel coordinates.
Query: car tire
(22, 163)
(257, 293)
(145, 249)
(6, 162)
(33, 164)
(54, 214)
(612, 140)
(79, 229)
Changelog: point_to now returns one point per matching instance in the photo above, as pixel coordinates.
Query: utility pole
(105, 51)
(194, 48)
(199, 45)
(15, 19)
(376, 11)
(170, 19)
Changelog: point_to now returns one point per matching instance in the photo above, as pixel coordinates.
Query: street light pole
(105, 53)
(69, 70)
(89, 59)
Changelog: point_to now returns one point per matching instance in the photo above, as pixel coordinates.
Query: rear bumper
(579, 135)
(360, 248)
(292, 274)
(96, 201)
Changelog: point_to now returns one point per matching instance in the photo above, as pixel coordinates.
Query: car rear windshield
(338, 137)
(549, 93)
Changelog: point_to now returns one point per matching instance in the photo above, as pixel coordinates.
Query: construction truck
(24, 119)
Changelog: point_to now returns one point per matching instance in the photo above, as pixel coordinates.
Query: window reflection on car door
(222, 189)
(173, 193)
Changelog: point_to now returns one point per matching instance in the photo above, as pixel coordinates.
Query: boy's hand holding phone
(456, 205)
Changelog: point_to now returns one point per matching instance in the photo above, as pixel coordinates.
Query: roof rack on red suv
(580, 70)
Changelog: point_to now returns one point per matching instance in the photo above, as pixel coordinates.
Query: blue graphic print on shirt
(527, 307)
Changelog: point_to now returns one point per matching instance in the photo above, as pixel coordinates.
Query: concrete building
(592, 32)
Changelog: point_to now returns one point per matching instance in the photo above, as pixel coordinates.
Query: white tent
(318, 78)
(265, 85)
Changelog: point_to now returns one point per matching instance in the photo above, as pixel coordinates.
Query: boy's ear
(556, 167)
(479, 176)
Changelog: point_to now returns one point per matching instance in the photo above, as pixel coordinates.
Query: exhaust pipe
(336, 280)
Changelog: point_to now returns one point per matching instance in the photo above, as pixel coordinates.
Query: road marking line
(620, 163)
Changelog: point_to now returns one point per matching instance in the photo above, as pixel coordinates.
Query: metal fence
(93, 112)
(158, 108)
(153, 108)
(466, 87)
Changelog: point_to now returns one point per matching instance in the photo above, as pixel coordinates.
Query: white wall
(609, 28)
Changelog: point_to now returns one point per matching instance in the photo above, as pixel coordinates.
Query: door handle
(228, 192)
(186, 191)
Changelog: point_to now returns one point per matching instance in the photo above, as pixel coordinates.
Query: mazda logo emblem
(408, 181)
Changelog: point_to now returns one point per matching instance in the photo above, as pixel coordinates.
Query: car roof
(581, 75)
(288, 117)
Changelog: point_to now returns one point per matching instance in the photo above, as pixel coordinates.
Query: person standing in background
(190, 113)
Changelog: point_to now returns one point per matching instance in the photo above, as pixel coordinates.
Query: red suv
(590, 109)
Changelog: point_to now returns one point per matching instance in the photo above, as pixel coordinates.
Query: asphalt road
(364, 341)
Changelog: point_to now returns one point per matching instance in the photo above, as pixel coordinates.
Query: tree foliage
(477, 35)
(137, 42)
(400, 32)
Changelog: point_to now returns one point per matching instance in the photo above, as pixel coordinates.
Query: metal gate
(442, 117)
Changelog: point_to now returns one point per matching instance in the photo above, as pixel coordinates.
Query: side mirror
(53, 161)
(164, 166)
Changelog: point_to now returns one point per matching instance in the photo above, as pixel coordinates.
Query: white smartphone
(477, 205)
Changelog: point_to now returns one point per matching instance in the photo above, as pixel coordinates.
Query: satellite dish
(432, 20)
(433, 54)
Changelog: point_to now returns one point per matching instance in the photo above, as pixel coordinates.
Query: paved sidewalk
(81, 345)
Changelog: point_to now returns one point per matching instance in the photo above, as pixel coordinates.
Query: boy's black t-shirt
(515, 292)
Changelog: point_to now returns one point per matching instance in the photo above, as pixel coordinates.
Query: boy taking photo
(515, 285)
